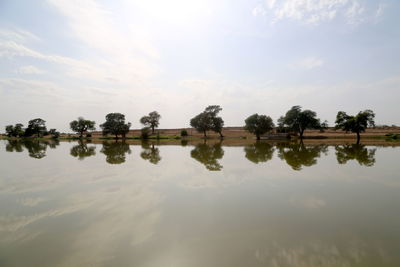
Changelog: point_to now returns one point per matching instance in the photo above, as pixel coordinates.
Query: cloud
(312, 11)
(308, 63)
(30, 70)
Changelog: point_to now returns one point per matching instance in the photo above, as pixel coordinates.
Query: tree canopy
(115, 124)
(36, 127)
(355, 124)
(152, 120)
(298, 121)
(259, 124)
(208, 120)
(15, 131)
(81, 126)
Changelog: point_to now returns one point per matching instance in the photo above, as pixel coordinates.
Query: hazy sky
(60, 59)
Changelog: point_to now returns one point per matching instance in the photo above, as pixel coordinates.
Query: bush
(184, 133)
(145, 133)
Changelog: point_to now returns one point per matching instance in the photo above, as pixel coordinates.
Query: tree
(208, 121)
(115, 124)
(36, 126)
(355, 124)
(15, 131)
(152, 120)
(81, 126)
(54, 133)
(259, 124)
(298, 121)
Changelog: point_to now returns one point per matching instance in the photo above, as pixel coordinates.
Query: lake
(204, 204)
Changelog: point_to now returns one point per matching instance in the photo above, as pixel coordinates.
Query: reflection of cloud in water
(317, 253)
(308, 202)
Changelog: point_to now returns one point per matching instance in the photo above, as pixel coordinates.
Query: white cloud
(312, 11)
(30, 70)
(308, 63)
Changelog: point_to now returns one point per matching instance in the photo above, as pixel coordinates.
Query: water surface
(204, 204)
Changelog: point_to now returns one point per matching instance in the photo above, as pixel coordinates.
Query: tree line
(295, 121)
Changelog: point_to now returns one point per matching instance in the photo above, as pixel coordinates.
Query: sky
(61, 59)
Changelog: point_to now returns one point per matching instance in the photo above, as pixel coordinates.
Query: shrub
(145, 133)
(184, 133)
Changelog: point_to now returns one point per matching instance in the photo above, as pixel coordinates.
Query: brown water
(262, 204)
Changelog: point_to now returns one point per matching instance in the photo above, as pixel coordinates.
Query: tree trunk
(152, 130)
(301, 134)
(258, 136)
(81, 134)
(358, 137)
(116, 136)
(205, 134)
(220, 135)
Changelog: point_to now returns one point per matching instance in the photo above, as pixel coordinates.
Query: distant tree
(145, 133)
(81, 126)
(184, 133)
(201, 123)
(115, 124)
(15, 131)
(152, 120)
(259, 124)
(298, 121)
(36, 127)
(355, 124)
(54, 133)
(208, 120)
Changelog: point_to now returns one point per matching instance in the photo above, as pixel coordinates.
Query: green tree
(81, 126)
(208, 120)
(15, 131)
(152, 120)
(54, 133)
(115, 124)
(258, 124)
(355, 124)
(36, 127)
(259, 152)
(360, 153)
(298, 121)
(208, 155)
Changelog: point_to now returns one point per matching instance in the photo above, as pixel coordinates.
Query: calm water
(114, 204)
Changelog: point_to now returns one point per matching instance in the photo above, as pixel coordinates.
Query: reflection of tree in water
(259, 152)
(36, 148)
(150, 153)
(14, 146)
(81, 150)
(208, 155)
(360, 153)
(115, 152)
(298, 155)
